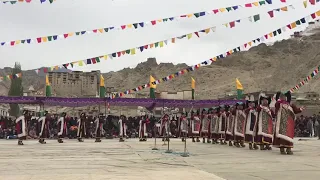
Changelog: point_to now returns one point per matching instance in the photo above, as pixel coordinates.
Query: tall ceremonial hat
(63, 114)
(288, 95)
(25, 112)
(251, 100)
(82, 114)
(263, 96)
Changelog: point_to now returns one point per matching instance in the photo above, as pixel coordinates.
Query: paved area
(133, 160)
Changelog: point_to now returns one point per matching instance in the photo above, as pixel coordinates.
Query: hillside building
(75, 84)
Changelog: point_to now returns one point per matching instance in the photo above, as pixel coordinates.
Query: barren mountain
(267, 68)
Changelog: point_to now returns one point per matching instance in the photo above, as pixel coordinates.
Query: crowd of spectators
(305, 126)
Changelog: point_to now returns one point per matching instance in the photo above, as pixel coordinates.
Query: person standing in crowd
(310, 127)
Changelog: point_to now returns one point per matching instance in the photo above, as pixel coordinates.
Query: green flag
(48, 87)
(152, 88)
(239, 89)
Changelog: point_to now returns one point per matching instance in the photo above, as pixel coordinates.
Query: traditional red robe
(284, 127)
(264, 128)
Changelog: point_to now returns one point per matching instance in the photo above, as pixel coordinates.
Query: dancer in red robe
(165, 126)
(195, 126)
(239, 125)
(62, 127)
(222, 124)
(44, 127)
(284, 127)
(230, 125)
(183, 126)
(264, 130)
(98, 122)
(250, 124)
(21, 126)
(82, 130)
(143, 133)
(214, 125)
(205, 124)
(122, 128)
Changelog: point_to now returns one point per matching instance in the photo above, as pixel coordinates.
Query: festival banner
(10, 77)
(137, 25)
(162, 43)
(26, 1)
(314, 73)
(310, 18)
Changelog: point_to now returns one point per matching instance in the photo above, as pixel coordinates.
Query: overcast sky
(33, 20)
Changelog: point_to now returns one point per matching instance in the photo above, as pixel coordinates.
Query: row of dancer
(44, 123)
(253, 122)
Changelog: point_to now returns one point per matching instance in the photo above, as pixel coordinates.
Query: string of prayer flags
(27, 1)
(314, 73)
(159, 44)
(10, 77)
(310, 18)
(67, 35)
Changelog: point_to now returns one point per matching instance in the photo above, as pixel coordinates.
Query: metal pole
(185, 153)
(168, 137)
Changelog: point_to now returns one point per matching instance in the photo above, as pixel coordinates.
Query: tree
(16, 89)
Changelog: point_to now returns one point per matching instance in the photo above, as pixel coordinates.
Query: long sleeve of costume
(295, 109)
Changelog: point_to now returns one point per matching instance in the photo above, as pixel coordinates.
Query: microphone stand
(185, 153)
(168, 135)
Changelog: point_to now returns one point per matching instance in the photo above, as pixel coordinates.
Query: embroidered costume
(122, 128)
(214, 125)
(21, 127)
(195, 126)
(143, 133)
(98, 122)
(222, 124)
(239, 125)
(264, 130)
(284, 127)
(205, 124)
(230, 125)
(62, 127)
(82, 127)
(183, 127)
(44, 127)
(250, 125)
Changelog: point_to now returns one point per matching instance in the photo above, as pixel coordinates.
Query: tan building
(75, 84)
(186, 95)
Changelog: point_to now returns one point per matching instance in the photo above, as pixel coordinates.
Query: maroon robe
(264, 130)
(284, 127)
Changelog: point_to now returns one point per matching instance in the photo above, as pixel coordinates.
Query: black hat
(63, 114)
(265, 97)
(45, 113)
(287, 94)
(251, 101)
(83, 114)
(25, 112)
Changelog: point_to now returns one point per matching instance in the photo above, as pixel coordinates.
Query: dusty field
(135, 160)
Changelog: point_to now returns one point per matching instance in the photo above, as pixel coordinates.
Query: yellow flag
(101, 81)
(305, 3)
(47, 81)
(256, 3)
(193, 84)
(239, 85)
(152, 85)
